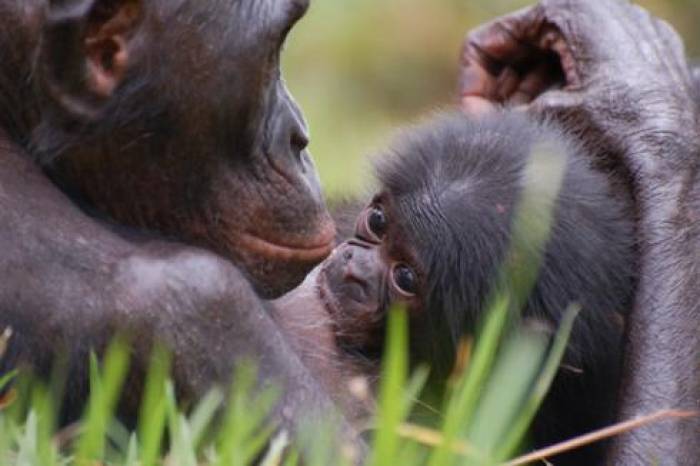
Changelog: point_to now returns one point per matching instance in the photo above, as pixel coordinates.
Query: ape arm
(624, 87)
(69, 282)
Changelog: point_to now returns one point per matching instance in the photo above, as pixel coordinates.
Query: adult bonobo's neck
(20, 26)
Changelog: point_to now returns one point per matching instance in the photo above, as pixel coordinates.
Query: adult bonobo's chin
(188, 95)
(167, 131)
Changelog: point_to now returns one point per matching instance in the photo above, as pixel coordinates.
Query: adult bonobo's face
(187, 127)
(368, 273)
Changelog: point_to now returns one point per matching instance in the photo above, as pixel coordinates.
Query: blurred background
(362, 68)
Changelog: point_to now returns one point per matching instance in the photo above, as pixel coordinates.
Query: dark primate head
(439, 231)
(171, 115)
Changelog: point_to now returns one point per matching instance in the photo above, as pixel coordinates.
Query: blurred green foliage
(491, 402)
(361, 68)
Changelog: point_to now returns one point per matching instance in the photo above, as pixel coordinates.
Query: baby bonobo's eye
(376, 221)
(372, 226)
(405, 280)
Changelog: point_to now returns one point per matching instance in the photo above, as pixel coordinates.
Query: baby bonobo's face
(368, 273)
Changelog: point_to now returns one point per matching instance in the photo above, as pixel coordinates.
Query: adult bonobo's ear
(85, 51)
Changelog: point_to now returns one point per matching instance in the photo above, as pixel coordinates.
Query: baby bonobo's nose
(361, 271)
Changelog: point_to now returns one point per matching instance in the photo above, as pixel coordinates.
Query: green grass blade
(292, 459)
(466, 395)
(104, 394)
(276, 451)
(544, 382)
(516, 368)
(42, 404)
(181, 444)
(244, 433)
(391, 400)
(27, 442)
(202, 418)
(415, 386)
(5, 439)
(132, 452)
(7, 378)
(153, 411)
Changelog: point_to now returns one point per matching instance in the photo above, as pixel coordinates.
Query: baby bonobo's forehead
(446, 153)
(398, 242)
(452, 185)
(455, 177)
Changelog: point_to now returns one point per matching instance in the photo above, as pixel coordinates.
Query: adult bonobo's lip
(312, 251)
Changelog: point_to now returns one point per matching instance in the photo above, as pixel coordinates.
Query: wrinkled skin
(623, 87)
(179, 191)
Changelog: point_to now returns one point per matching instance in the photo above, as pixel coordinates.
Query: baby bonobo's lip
(312, 251)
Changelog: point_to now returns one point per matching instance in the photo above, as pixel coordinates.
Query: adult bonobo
(618, 78)
(187, 94)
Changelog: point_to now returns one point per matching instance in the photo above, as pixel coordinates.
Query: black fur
(456, 184)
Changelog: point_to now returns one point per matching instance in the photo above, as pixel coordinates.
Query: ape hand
(606, 69)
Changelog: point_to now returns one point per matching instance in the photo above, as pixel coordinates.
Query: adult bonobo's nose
(296, 231)
(297, 8)
(288, 148)
(285, 12)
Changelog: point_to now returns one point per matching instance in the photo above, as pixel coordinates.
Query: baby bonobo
(437, 234)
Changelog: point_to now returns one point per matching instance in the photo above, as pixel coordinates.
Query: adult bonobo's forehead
(225, 48)
(253, 28)
(171, 115)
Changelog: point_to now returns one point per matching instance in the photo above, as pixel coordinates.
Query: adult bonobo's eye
(405, 280)
(376, 222)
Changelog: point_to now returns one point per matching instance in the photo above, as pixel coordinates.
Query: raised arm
(618, 78)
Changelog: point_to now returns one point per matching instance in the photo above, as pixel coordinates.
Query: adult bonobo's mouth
(276, 262)
(310, 250)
